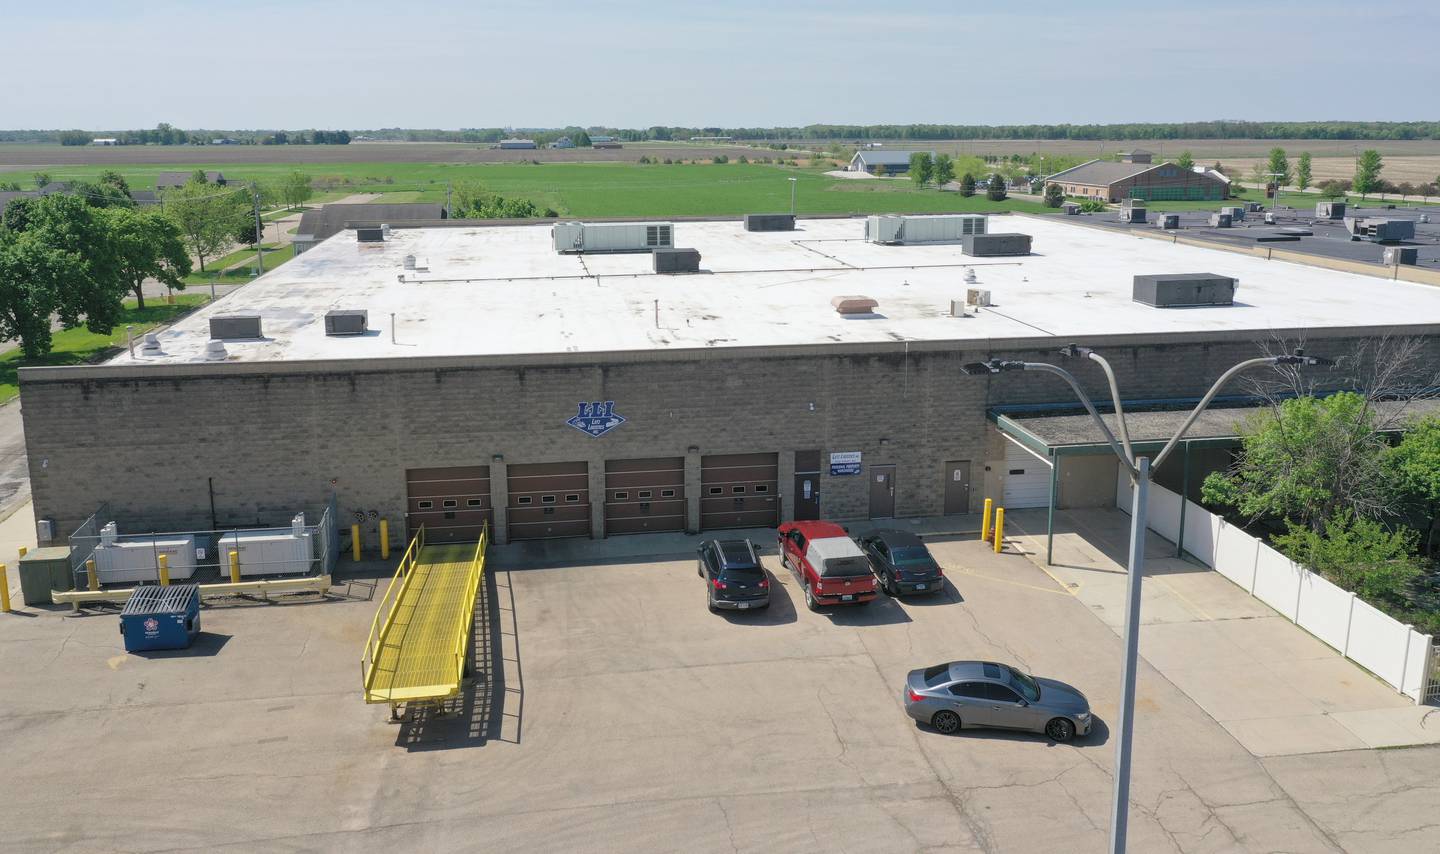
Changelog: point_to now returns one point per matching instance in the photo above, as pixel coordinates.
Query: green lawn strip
(241, 264)
(80, 346)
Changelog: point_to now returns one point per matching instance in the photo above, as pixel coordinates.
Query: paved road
(14, 473)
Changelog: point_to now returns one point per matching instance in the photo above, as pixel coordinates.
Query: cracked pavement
(633, 720)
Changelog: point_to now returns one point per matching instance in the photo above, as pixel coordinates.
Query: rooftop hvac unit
(1253, 207)
(1237, 213)
(1395, 255)
(352, 321)
(612, 236)
(1176, 290)
(1220, 220)
(1070, 209)
(1132, 214)
(1269, 217)
(671, 260)
(854, 304)
(369, 234)
(769, 222)
(978, 297)
(959, 308)
(230, 326)
(1385, 230)
(138, 559)
(1167, 220)
(1330, 210)
(906, 230)
(1132, 203)
(991, 245)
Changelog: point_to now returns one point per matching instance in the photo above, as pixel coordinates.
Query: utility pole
(259, 231)
(793, 182)
(448, 215)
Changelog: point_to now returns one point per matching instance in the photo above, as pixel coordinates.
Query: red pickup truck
(830, 566)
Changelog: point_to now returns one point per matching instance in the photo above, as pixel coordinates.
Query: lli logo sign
(596, 418)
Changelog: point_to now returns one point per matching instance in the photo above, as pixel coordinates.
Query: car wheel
(946, 722)
(810, 599)
(1060, 729)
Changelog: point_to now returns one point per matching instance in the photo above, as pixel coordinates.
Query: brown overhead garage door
(739, 491)
(548, 500)
(644, 495)
(452, 503)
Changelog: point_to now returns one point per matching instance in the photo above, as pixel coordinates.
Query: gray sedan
(964, 694)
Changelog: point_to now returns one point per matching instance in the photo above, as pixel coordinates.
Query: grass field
(79, 346)
(612, 189)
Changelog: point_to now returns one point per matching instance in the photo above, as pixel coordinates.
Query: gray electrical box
(347, 322)
(1330, 210)
(1070, 209)
(233, 326)
(1175, 290)
(370, 235)
(989, 245)
(1167, 220)
(1401, 255)
(1132, 214)
(1220, 220)
(769, 222)
(673, 260)
(1237, 213)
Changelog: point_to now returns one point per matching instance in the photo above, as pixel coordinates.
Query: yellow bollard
(24, 551)
(999, 529)
(92, 574)
(384, 539)
(354, 542)
(4, 589)
(234, 567)
(985, 521)
(164, 561)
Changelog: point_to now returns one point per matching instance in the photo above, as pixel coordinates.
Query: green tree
(922, 168)
(42, 179)
(208, 216)
(1367, 172)
(9, 186)
(1185, 161)
(295, 189)
(1331, 189)
(967, 185)
(149, 246)
(94, 289)
(1053, 196)
(108, 190)
(199, 177)
(32, 274)
(880, 170)
(1358, 554)
(996, 191)
(581, 139)
(1307, 460)
(1414, 467)
(944, 169)
(1302, 171)
(1278, 167)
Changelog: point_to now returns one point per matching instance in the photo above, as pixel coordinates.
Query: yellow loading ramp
(418, 639)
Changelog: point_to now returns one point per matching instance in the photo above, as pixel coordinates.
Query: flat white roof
(503, 290)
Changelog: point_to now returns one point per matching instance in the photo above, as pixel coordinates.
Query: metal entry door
(807, 485)
(644, 495)
(882, 492)
(739, 491)
(548, 500)
(453, 503)
(957, 487)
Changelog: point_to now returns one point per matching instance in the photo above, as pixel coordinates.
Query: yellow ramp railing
(417, 643)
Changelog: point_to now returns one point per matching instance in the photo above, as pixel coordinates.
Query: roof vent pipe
(215, 351)
(150, 343)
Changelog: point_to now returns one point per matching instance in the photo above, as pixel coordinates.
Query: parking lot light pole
(793, 182)
(1139, 468)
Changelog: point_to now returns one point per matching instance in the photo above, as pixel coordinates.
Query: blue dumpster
(161, 617)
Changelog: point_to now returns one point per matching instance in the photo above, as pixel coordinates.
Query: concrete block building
(1131, 178)
(494, 379)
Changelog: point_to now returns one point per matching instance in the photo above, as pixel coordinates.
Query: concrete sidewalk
(1275, 687)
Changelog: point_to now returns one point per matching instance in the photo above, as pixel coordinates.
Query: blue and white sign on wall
(844, 463)
(597, 418)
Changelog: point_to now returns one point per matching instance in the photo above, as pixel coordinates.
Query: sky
(725, 63)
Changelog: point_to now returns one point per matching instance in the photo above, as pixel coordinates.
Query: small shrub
(1093, 205)
(996, 191)
(1053, 197)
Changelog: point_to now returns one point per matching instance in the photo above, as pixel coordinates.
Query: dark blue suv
(734, 577)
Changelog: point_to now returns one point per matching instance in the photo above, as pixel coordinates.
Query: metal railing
(1432, 678)
(380, 631)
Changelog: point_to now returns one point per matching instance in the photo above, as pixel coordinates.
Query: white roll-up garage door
(1027, 477)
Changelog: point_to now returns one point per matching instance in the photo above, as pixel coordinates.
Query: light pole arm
(1089, 406)
(1115, 397)
(1204, 402)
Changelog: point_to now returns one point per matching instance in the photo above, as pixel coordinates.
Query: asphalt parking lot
(612, 712)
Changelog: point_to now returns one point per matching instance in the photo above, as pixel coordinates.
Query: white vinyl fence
(1391, 650)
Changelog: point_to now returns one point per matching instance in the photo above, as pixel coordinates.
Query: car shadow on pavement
(491, 703)
(781, 611)
(880, 611)
(1098, 736)
(949, 594)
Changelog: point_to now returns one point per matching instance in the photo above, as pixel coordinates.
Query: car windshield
(1024, 683)
(937, 674)
(910, 555)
